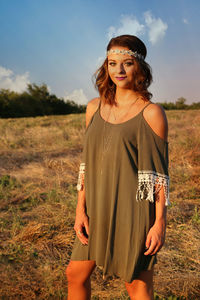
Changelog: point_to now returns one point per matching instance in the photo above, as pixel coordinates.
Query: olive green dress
(122, 164)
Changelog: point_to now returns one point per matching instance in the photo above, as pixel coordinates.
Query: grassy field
(38, 173)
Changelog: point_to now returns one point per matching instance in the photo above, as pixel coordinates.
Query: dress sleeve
(81, 173)
(81, 177)
(152, 164)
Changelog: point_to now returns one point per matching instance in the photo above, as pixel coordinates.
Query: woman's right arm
(81, 222)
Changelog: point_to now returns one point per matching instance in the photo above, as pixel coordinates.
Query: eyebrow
(123, 60)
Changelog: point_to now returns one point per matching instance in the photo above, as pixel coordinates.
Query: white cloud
(157, 28)
(185, 21)
(16, 83)
(5, 72)
(99, 61)
(129, 25)
(77, 96)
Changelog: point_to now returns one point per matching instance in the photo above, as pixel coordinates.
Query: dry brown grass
(41, 155)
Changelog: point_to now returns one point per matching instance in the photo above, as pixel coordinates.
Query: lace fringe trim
(150, 183)
(81, 176)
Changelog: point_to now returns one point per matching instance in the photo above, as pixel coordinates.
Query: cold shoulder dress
(123, 162)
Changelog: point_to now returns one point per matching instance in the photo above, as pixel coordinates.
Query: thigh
(80, 269)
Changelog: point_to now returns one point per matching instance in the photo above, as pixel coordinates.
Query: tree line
(37, 101)
(180, 104)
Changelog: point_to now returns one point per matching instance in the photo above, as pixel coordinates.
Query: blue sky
(62, 43)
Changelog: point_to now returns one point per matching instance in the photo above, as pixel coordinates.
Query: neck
(125, 96)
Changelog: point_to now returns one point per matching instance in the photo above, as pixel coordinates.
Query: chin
(123, 85)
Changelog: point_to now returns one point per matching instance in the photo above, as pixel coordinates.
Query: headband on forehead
(130, 52)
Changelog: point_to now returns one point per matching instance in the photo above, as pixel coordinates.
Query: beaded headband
(130, 52)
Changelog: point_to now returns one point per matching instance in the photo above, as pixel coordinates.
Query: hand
(81, 226)
(155, 237)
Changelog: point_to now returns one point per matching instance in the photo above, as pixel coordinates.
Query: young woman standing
(123, 180)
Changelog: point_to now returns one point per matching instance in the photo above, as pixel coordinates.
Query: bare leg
(141, 288)
(78, 276)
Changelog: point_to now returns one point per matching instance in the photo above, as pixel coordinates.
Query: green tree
(39, 92)
(180, 103)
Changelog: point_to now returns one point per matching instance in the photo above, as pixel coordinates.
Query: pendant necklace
(108, 137)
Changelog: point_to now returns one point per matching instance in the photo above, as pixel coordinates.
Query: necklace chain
(108, 137)
(126, 111)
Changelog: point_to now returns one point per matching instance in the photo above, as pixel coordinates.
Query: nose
(120, 69)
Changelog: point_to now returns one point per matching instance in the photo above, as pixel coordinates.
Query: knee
(132, 289)
(79, 272)
(139, 289)
(71, 273)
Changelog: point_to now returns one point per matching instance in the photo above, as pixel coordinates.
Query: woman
(123, 180)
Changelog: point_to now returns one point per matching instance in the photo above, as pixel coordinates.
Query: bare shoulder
(91, 108)
(155, 116)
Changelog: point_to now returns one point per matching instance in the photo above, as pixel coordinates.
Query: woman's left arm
(156, 118)
(156, 235)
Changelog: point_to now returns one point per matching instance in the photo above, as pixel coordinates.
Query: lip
(120, 78)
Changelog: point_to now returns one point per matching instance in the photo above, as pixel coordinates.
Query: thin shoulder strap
(94, 113)
(145, 106)
(99, 106)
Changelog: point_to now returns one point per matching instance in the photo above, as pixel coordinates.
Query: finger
(148, 241)
(159, 246)
(151, 248)
(86, 224)
(83, 239)
(155, 251)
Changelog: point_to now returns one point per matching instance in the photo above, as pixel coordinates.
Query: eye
(112, 63)
(129, 63)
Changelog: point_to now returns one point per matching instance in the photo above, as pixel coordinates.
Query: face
(121, 68)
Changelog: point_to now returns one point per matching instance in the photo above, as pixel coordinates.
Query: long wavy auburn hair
(142, 71)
